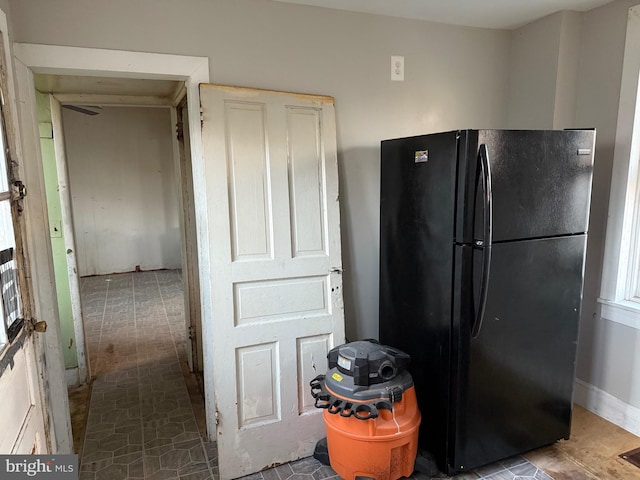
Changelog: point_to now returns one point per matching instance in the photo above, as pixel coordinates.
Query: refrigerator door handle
(485, 243)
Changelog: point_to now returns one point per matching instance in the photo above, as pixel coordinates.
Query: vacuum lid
(368, 362)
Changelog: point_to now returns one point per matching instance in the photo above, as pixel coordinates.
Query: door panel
(257, 390)
(311, 353)
(306, 180)
(22, 429)
(249, 187)
(275, 246)
(22, 424)
(17, 400)
(276, 300)
(517, 374)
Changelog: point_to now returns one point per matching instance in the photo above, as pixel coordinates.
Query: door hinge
(40, 326)
(217, 417)
(180, 131)
(19, 190)
(33, 325)
(191, 332)
(336, 270)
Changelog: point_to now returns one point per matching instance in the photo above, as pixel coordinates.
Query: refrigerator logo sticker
(422, 156)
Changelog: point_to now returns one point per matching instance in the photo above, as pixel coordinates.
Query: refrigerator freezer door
(416, 258)
(541, 184)
(515, 379)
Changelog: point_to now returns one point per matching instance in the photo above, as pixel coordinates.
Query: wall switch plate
(397, 68)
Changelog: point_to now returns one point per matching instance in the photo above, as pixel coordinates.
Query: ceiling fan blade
(76, 108)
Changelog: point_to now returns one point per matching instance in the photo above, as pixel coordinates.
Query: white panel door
(272, 192)
(22, 424)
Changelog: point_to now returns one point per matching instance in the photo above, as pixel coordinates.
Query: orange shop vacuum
(370, 411)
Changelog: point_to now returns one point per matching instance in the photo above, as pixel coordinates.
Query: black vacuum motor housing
(368, 362)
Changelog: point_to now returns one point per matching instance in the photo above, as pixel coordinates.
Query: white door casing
(69, 240)
(272, 193)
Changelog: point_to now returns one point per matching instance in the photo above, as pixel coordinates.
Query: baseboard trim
(607, 406)
(72, 377)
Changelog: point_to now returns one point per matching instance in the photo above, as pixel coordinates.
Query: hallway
(141, 423)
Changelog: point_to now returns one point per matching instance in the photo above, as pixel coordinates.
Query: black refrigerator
(482, 251)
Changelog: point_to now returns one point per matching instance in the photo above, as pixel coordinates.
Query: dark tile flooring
(141, 423)
(516, 468)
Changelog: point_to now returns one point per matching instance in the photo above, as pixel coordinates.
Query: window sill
(621, 311)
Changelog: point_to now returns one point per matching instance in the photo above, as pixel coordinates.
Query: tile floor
(141, 423)
(516, 468)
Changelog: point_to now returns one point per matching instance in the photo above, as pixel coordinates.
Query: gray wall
(544, 68)
(566, 71)
(533, 73)
(455, 77)
(609, 353)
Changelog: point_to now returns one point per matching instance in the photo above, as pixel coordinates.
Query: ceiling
(505, 14)
(47, 83)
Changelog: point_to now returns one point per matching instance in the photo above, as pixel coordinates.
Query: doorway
(31, 59)
(126, 176)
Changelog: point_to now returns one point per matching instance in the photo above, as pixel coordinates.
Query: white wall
(456, 77)
(123, 188)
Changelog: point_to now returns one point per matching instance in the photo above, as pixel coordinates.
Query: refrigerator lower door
(515, 378)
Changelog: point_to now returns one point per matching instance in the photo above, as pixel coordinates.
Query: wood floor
(591, 453)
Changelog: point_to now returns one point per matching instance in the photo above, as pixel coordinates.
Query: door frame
(53, 59)
(186, 218)
(182, 155)
(81, 375)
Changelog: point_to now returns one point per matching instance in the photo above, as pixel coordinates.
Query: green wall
(57, 236)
